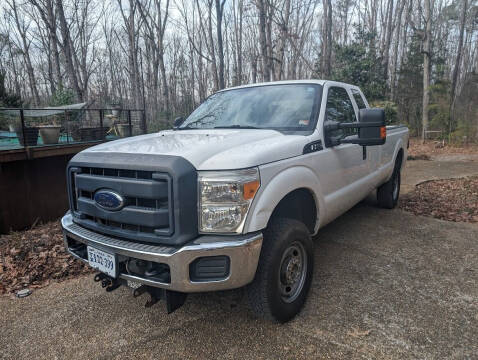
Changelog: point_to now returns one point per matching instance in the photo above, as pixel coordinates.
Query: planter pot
(123, 130)
(115, 109)
(107, 122)
(50, 134)
(93, 133)
(31, 135)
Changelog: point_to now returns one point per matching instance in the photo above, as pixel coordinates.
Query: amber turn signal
(383, 132)
(250, 189)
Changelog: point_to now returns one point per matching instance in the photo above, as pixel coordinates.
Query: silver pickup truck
(233, 195)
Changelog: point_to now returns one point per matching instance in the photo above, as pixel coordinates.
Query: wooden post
(67, 128)
(22, 119)
(143, 118)
(101, 125)
(129, 123)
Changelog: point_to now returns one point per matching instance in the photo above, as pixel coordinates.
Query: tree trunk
(388, 40)
(67, 50)
(327, 39)
(266, 71)
(220, 49)
(238, 19)
(426, 68)
(456, 69)
(284, 38)
(394, 66)
(212, 52)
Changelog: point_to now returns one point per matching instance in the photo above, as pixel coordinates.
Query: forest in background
(416, 58)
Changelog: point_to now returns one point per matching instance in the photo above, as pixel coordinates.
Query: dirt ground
(387, 284)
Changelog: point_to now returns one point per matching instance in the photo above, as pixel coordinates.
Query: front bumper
(243, 252)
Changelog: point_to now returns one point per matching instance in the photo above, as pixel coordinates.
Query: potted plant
(14, 125)
(115, 109)
(123, 130)
(50, 134)
(31, 136)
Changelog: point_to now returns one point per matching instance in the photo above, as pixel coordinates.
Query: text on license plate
(102, 261)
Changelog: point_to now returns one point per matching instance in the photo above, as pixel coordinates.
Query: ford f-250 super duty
(233, 194)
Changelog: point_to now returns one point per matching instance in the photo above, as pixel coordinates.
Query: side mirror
(373, 130)
(177, 122)
(371, 125)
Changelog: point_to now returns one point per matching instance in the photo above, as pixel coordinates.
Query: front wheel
(284, 272)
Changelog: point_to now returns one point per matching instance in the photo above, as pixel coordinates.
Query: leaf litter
(451, 199)
(33, 258)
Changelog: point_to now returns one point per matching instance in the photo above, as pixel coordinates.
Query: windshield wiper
(236, 127)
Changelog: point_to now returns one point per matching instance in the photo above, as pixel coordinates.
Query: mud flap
(174, 300)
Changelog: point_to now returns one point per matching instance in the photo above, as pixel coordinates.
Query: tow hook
(107, 282)
(100, 276)
(174, 299)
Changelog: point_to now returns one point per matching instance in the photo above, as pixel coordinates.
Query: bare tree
(326, 67)
(220, 46)
(132, 32)
(426, 66)
(22, 28)
(459, 55)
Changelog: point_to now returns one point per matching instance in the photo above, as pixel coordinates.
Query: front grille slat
(148, 189)
(147, 212)
(129, 214)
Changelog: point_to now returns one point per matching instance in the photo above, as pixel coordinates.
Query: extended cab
(233, 194)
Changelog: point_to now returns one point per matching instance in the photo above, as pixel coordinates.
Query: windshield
(279, 107)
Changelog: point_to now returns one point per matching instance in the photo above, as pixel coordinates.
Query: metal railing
(50, 126)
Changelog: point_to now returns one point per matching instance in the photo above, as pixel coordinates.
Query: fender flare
(391, 165)
(281, 184)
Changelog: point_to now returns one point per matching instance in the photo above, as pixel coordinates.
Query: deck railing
(24, 128)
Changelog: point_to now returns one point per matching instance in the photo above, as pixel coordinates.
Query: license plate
(102, 261)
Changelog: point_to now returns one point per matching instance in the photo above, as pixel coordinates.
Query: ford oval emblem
(109, 200)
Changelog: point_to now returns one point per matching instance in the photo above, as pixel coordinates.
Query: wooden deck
(37, 152)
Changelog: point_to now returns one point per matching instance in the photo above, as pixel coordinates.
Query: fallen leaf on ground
(356, 333)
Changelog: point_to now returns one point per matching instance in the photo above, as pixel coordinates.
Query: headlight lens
(225, 198)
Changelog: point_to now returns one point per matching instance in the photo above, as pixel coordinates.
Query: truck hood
(212, 149)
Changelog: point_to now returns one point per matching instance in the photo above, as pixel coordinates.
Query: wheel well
(299, 205)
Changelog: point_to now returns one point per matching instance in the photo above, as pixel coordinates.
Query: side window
(339, 108)
(358, 99)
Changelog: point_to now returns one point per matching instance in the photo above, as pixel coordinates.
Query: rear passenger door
(342, 169)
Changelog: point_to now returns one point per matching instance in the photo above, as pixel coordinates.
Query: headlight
(225, 198)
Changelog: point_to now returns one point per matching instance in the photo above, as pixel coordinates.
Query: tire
(275, 293)
(388, 193)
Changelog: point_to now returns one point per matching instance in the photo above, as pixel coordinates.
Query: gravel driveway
(387, 284)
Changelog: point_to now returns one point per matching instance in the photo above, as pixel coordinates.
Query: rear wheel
(284, 272)
(388, 193)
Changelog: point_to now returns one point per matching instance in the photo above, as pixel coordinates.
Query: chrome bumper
(243, 253)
